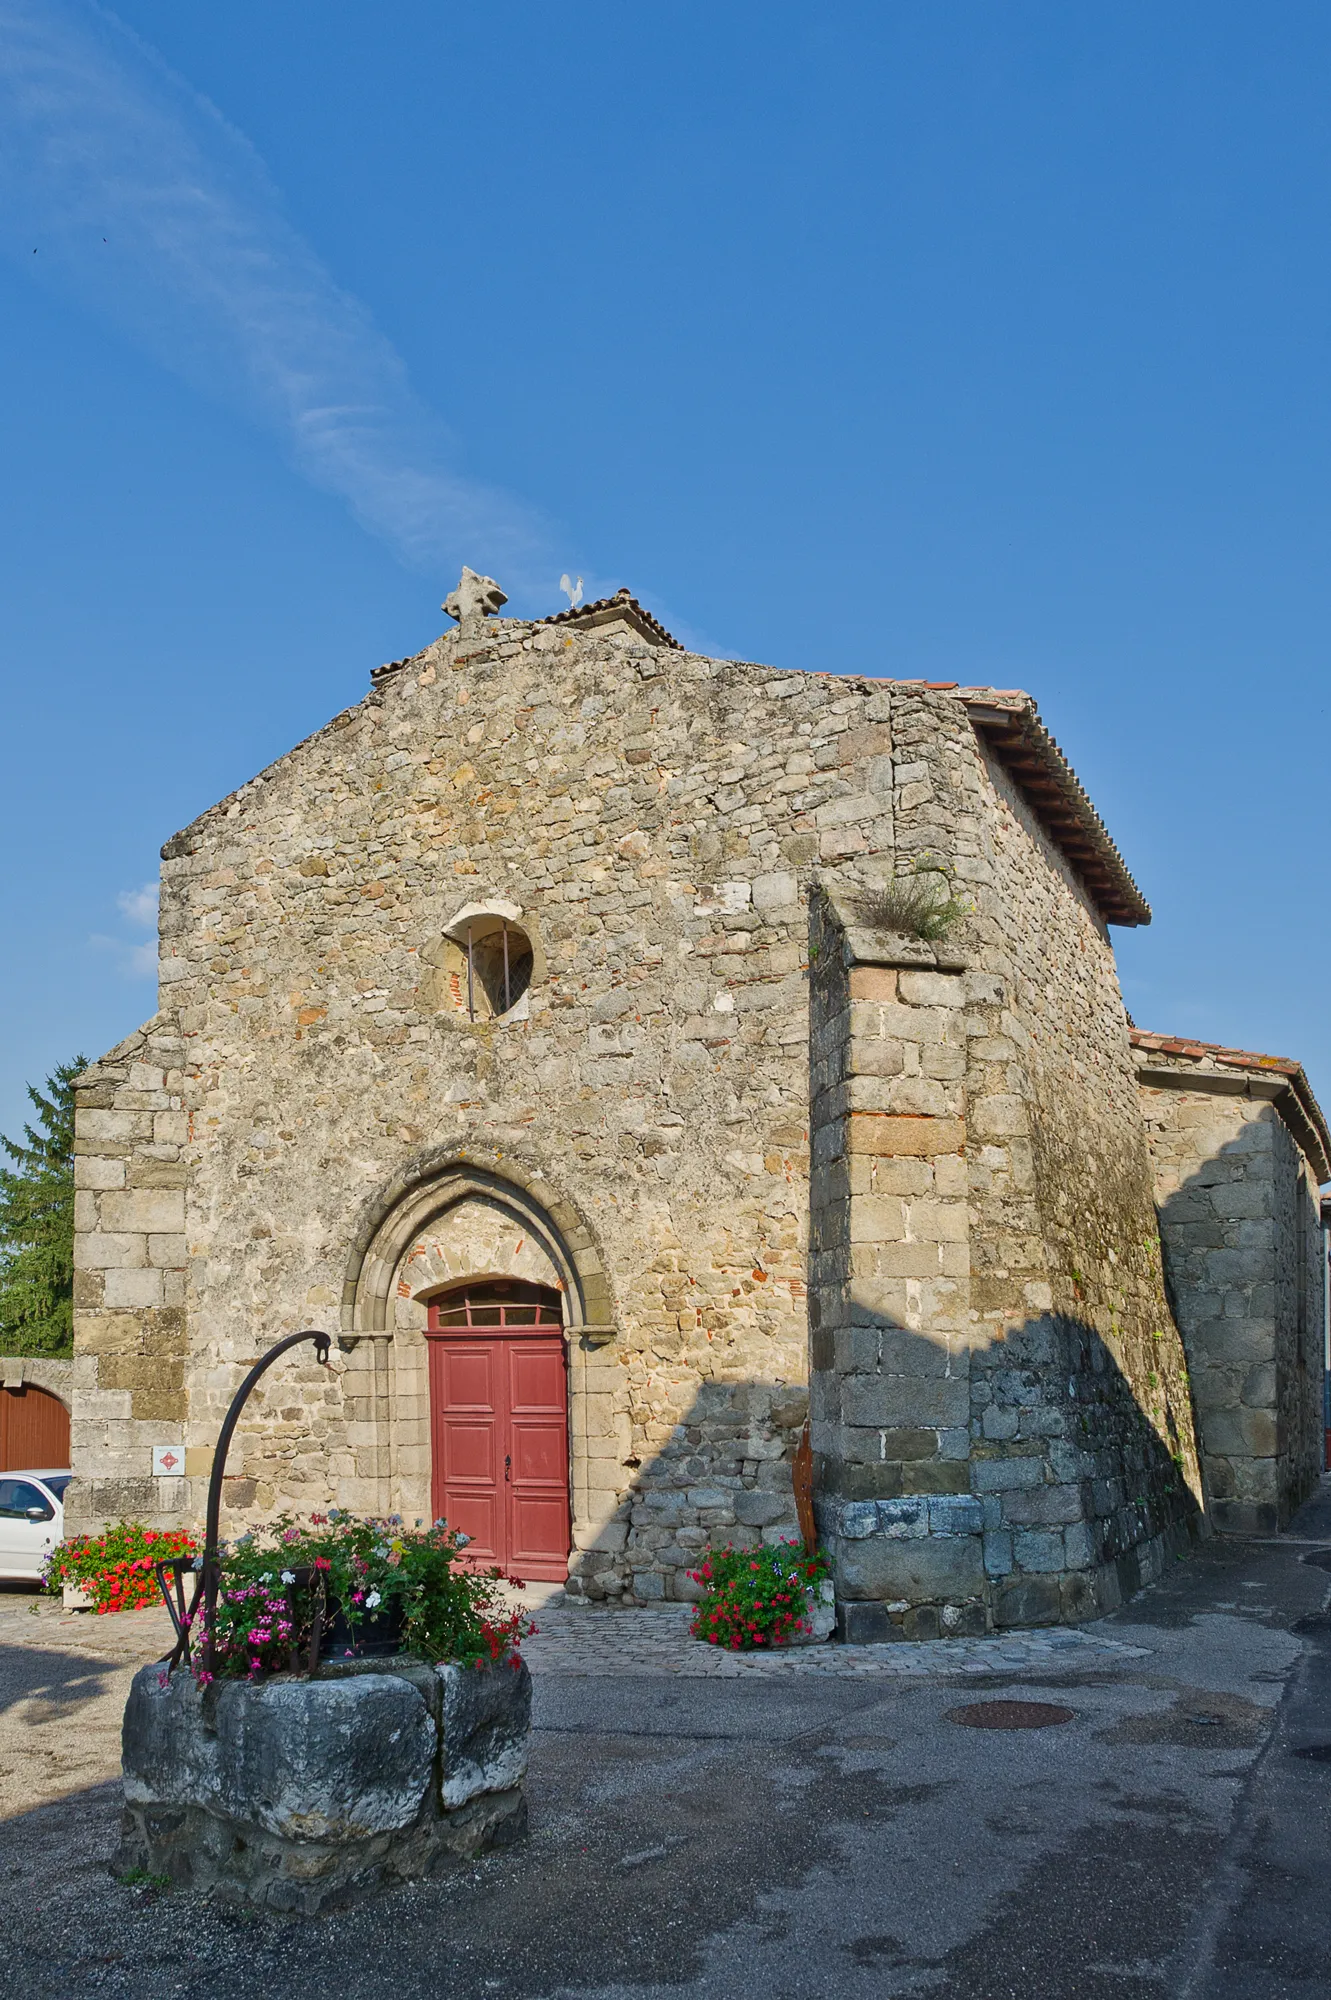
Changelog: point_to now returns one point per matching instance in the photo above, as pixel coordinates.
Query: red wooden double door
(499, 1425)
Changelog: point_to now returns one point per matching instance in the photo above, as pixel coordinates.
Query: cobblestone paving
(658, 1642)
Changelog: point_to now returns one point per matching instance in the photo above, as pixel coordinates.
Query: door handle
(508, 1465)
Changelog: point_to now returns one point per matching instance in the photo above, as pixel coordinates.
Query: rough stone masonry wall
(1067, 1277)
(1013, 1350)
(130, 1339)
(657, 818)
(1240, 1221)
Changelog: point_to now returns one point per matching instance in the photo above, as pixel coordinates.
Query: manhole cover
(1009, 1715)
(1316, 1753)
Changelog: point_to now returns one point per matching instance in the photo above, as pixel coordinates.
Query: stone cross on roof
(475, 598)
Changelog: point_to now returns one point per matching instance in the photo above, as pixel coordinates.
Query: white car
(32, 1521)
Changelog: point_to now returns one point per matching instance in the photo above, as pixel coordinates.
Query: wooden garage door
(34, 1431)
(499, 1425)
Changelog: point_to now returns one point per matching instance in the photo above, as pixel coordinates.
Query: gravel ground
(801, 1833)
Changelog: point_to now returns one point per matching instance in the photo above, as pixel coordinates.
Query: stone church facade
(536, 1026)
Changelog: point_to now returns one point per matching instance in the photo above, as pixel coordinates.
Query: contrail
(139, 199)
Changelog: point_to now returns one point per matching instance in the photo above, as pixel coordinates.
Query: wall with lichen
(656, 818)
(1239, 1214)
(656, 821)
(1004, 1423)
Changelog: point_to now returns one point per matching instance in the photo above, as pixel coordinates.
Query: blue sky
(938, 339)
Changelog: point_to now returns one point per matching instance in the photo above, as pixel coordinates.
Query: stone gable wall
(659, 820)
(656, 817)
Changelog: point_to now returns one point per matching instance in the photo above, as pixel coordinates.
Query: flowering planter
(304, 1795)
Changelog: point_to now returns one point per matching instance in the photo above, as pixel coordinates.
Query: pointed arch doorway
(498, 1376)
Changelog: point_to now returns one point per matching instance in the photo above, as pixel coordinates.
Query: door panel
(538, 1431)
(540, 1538)
(499, 1425)
(470, 1372)
(466, 1385)
(539, 1452)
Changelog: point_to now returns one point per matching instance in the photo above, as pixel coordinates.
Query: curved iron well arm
(209, 1575)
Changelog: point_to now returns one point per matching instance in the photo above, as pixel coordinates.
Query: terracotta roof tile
(1306, 1122)
(608, 610)
(1009, 722)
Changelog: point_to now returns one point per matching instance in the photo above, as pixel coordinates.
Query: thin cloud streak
(140, 905)
(144, 203)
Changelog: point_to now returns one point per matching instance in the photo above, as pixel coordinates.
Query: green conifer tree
(37, 1225)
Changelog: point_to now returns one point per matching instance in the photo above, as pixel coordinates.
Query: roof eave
(1010, 725)
(1279, 1079)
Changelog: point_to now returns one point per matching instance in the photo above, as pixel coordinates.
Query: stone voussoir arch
(425, 1189)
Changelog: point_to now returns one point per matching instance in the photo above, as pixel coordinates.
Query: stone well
(301, 1795)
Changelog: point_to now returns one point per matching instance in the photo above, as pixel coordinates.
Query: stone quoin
(535, 1026)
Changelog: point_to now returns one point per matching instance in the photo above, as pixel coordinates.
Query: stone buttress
(982, 1457)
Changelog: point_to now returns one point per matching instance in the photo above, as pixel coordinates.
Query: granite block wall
(655, 824)
(1240, 1218)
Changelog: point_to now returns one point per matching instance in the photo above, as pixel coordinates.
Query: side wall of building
(1301, 1278)
(1005, 1430)
(131, 1347)
(1240, 1222)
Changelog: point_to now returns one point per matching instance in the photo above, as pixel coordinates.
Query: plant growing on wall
(921, 903)
(37, 1224)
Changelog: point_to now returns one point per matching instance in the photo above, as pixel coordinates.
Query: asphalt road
(817, 1836)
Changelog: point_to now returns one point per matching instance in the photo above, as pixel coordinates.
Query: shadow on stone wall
(1021, 1484)
(1245, 1286)
(722, 1475)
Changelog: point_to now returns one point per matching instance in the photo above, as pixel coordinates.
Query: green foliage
(372, 1571)
(37, 1224)
(922, 903)
(757, 1597)
(143, 1878)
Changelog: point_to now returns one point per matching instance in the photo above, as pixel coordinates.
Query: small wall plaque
(168, 1461)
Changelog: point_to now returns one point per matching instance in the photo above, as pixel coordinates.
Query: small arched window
(486, 962)
(498, 966)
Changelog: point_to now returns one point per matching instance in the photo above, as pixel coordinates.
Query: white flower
(373, 1600)
(288, 1576)
(462, 1541)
